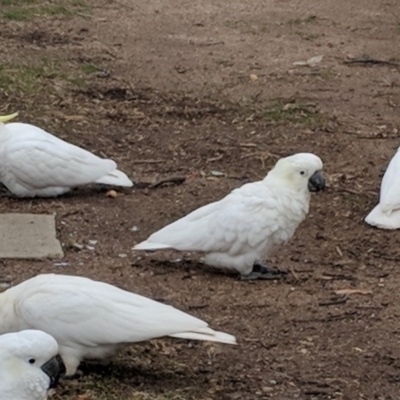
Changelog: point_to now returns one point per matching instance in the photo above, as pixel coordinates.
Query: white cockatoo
(386, 215)
(36, 163)
(91, 320)
(239, 231)
(28, 365)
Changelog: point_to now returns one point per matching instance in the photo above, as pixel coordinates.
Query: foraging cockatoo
(386, 215)
(28, 367)
(36, 163)
(91, 320)
(240, 230)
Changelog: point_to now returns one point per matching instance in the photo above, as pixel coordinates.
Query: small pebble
(266, 389)
(60, 264)
(217, 173)
(112, 193)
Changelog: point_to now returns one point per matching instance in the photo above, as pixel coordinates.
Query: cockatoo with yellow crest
(28, 365)
(35, 163)
(239, 231)
(91, 320)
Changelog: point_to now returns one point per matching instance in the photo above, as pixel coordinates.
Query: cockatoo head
(28, 367)
(302, 171)
(6, 118)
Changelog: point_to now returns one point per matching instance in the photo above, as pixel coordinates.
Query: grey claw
(263, 272)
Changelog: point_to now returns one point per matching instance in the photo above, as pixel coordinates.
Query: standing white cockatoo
(36, 163)
(239, 231)
(91, 320)
(28, 367)
(386, 215)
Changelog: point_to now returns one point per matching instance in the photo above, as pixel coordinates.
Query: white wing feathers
(386, 214)
(39, 159)
(244, 217)
(89, 313)
(390, 188)
(383, 220)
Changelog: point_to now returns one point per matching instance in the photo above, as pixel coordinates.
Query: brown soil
(186, 88)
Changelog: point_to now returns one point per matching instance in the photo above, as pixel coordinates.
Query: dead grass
(44, 75)
(297, 114)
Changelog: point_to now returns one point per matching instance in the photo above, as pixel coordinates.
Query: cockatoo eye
(32, 361)
(302, 172)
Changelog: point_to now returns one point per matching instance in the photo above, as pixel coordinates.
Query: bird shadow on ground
(189, 267)
(175, 377)
(82, 192)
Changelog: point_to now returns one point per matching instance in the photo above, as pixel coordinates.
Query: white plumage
(28, 367)
(91, 319)
(241, 229)
(386, 215)
(36, 163)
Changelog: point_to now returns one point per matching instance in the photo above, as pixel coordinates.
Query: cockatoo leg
(261, 271)
(71, 363)
(77, 375)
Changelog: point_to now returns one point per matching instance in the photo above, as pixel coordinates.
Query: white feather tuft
(210, 336)
(146, 245)
(115, 178)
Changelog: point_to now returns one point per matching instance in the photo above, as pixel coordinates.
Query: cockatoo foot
(263, 272)
(77, 375)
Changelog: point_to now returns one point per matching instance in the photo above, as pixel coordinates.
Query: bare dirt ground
(187, 88)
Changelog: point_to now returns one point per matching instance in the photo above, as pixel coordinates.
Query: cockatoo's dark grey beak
(53, 369)
(316, 182)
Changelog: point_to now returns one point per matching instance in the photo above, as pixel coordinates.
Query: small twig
(188, 276)
(268, 346)
(330, 318)
(317, 391)
(292, 271)
(339, 277)
(172, 179)
(248, 145)
(370, 60)
(213, 43)
(385, 257)
(197, 307)
(303, 271)
(217, 158)
(378, 136)
(350, 191)
(148, 161)
(335, 301)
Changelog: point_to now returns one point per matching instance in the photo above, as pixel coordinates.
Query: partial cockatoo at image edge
(386, 214)
(34, 163)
